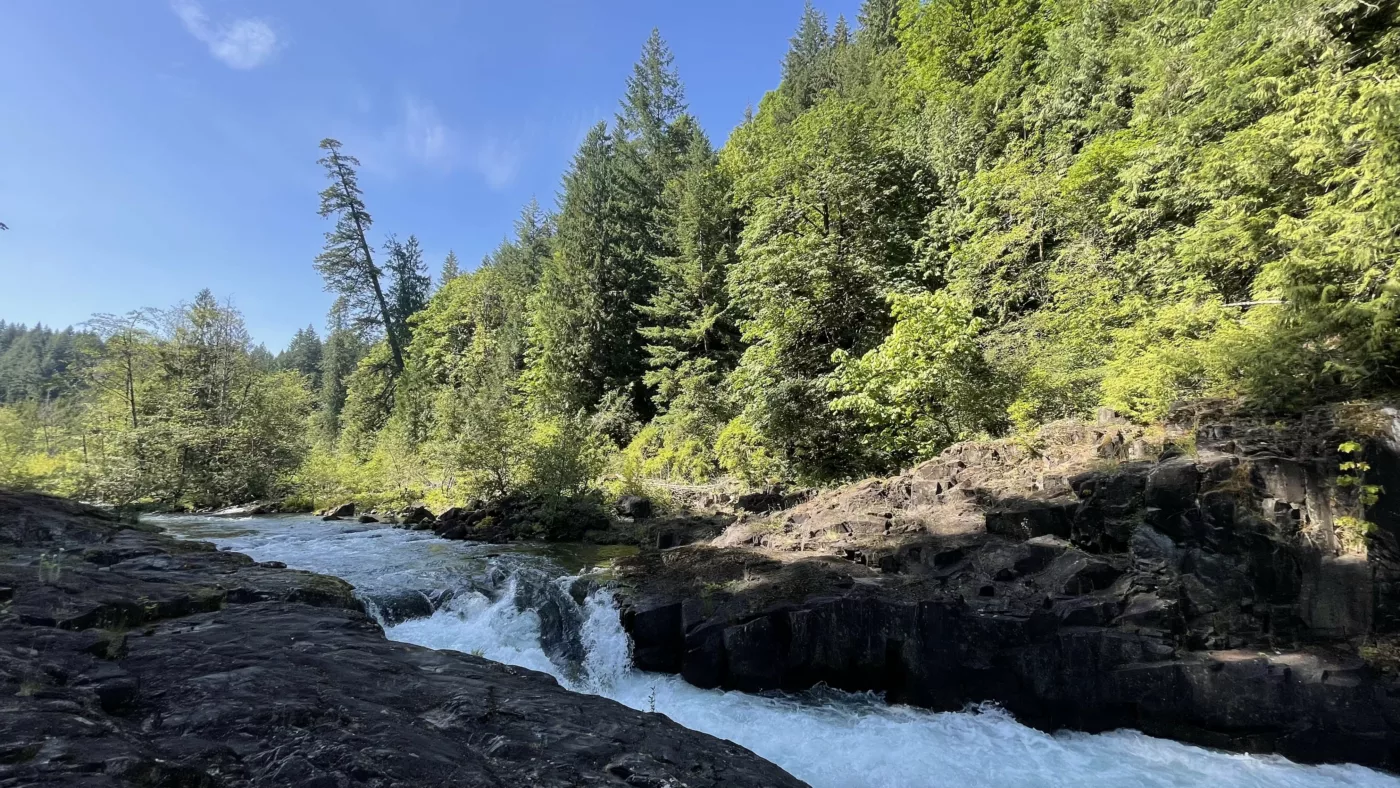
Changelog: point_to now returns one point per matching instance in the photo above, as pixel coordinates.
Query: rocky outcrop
(1209, 591)
(130, 658)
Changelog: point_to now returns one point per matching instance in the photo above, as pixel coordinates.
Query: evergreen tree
(347, 263)
(691, 333)
(653, 102)
(879, 23)
(410, 284)
(341, 354)
(584, 315)
(40, 363)
(807, 66)
(522, 261)
(841, 33)
(303, 355)
(262, 358)
(450, 269)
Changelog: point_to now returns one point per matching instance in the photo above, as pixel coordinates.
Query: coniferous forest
(951, 219)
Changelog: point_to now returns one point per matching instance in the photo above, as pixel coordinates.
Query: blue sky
(150, 148)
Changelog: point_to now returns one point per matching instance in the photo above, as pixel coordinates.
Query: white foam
(843, 740)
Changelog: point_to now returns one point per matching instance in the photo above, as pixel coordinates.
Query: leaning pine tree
(346, 263)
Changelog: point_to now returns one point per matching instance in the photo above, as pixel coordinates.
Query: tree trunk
(374, 279)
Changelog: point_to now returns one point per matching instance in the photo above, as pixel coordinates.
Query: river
(522, 605)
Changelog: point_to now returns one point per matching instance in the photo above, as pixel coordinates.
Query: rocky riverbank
(1220, 582)
(131, 658)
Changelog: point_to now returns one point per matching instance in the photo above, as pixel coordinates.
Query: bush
(741, 453)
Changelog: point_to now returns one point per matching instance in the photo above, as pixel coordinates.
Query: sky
(152, 148)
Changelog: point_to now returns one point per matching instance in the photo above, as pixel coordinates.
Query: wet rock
(365, 519)
(399, 606)
(343, 510)
(185, 662)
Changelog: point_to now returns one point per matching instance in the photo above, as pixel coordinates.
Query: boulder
(634, 506)
(415, 515)
(247, 509)
(366, 519)
(343, 510)
(453, 514)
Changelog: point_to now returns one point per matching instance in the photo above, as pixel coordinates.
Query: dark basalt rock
(634, 506)
(130, 658)
(1202, 597)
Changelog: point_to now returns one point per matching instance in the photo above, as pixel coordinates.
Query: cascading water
(513, 605)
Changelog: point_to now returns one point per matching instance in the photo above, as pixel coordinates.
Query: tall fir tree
(346, 262)
(409, 286)
(807, 65)
(879, 23)
(450, 269)
(583, 328)
(303, 355)
(840, 33)
(692, 339)
(654, 101)
(521, 261)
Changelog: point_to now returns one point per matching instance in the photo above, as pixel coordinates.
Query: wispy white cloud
(425, 138)
(428, 141)
(497, 161)
(239, 43)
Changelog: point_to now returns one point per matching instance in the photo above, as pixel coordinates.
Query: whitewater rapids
(829, 739)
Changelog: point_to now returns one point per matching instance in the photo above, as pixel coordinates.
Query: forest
(950, 219)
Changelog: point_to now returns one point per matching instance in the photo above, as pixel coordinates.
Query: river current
(524, 605)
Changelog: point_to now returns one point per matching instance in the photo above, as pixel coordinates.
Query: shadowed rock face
(129, 658)
(1206, 596)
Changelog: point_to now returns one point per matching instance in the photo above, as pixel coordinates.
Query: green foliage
(583, 338)
(834, 210)
(926, 386)
(41, 363)
(450, 269)
(176, 409)
(741, 452)
(340, 356)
